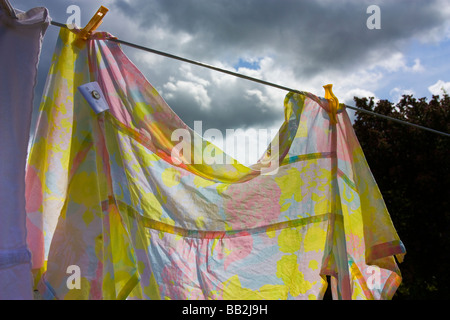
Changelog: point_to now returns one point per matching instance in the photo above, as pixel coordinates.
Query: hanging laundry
(21, 36)
(142, 222)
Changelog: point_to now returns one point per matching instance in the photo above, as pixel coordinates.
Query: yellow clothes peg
(92, 25)
(334, 102)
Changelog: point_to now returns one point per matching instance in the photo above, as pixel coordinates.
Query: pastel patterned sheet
(107, 196)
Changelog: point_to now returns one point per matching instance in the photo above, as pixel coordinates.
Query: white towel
(20, 47)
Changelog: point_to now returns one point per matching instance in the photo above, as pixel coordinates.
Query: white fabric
(20, 47)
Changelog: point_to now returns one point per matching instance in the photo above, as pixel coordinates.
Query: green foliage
(412, 169)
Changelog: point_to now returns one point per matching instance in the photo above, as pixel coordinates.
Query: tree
(412, 169)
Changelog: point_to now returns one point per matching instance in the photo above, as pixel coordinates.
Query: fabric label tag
(94, 96)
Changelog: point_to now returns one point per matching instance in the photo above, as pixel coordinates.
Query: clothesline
(239, 75)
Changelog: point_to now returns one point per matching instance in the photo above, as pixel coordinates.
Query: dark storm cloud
(308, 37)
(304, 39)
(311, 35)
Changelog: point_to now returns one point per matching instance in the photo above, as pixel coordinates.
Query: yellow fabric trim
(132, 282)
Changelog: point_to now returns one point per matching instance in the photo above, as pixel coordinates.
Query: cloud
(298, 44)
(440, 31)
(189, 90)
(417, 67)
(302, 45)
(314, 36)
(439, 88)
(397, 93)
(394, 62)
(359, 93)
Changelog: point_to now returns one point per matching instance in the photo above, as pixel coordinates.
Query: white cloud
(258, 94)
(439, 32)
(347, 98)
(397, 93)
(439, 87)
(394, 62)
(190, 77)
(185, 89)
(417, 67)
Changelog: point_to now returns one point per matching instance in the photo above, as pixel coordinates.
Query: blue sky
(295, 43)
(249, 64)
(430, 61)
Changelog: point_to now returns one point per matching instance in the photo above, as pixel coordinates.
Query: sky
(298, 44)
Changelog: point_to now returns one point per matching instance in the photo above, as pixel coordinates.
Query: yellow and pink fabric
(107, 195)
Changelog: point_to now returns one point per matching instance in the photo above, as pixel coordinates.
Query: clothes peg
(92, 25)
(333, 103)
(7, 7)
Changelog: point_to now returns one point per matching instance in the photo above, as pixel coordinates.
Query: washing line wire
(240, 75)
